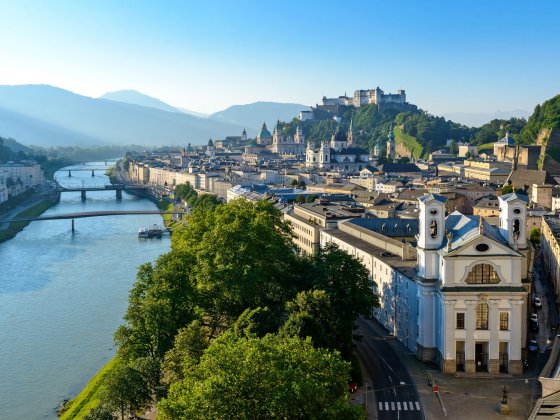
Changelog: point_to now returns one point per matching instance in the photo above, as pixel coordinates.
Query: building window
(460, 321)
(482, 316)
(483, 274)
(504, 321)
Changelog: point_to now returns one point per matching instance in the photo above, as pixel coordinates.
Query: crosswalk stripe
(398, 405)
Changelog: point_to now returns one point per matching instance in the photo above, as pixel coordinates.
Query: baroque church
(339, 154)
(280, 144)
(470, 287)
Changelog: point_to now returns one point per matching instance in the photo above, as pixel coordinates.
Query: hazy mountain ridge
(251, 116)
(47, 116)
(137, 98)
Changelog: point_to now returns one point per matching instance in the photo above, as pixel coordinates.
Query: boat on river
(154, 231)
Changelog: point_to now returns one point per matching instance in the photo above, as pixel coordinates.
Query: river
(63, 294)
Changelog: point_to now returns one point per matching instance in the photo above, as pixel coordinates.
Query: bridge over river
(81, 215)
(118, 188)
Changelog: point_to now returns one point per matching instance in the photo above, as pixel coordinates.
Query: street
(387, 379)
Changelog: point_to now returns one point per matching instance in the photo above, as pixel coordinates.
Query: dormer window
(482, 274)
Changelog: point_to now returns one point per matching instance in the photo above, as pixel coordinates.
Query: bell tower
(431, 233)
(513, 219)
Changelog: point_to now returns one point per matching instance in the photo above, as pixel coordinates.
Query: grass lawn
(484, 148)
(88, 398)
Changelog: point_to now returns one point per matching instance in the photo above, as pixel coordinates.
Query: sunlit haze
(207, 55)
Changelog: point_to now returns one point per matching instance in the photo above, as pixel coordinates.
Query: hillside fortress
(330, 107)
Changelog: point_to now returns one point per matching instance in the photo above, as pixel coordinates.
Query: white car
(534, 317)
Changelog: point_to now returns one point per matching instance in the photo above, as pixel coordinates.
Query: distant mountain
(48, 116)
(251, 116)
(136, 98)
(477, 119)
(194, 113)
(14, 146)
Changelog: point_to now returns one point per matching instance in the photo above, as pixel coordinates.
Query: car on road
(534, 317)
(537, 303)
(534, 326)
(533, 345)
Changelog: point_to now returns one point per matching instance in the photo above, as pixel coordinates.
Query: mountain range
(47, 116)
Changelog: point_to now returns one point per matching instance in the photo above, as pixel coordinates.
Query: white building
(471, 300)
(3, 189)
(23, 175)
(457, 296)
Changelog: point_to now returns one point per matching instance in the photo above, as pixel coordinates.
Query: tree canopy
(258, 378)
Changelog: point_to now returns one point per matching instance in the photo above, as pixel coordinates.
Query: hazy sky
(451, 55)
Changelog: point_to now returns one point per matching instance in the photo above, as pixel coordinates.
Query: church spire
(350, 136)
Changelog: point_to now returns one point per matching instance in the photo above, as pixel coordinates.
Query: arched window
(482, 316)
(516, 228)
(482, 274)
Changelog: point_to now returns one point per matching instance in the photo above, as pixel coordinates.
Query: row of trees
(233, 323)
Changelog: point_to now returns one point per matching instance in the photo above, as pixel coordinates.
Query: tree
(162, 300)
(346, 281)
(310, 314)
(242, 258)
(101, 412)
(535, 236)
(259, 378)
(294, 182)
(190, 343)
(125, 390)
(453, 147)
(256, 322)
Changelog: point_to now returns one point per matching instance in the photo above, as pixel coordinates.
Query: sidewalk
(466, 397)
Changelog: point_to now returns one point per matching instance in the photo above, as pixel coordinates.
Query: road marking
(398, 406)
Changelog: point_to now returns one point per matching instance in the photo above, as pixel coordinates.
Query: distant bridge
(109, 187)
(85, 169)
(81, 215)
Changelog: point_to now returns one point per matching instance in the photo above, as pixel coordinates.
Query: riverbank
(88, 397)
(34, 210)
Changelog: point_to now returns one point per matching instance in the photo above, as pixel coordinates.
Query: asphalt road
(395, 394)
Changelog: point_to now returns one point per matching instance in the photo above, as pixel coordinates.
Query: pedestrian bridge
(118, 188)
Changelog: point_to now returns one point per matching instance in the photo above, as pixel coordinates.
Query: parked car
(534, 317)
(534, 326)
(537, 302)
(533, 346)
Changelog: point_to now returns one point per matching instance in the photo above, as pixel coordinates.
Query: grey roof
(430, 197)
(389, 227)
(466, 228)
(513, 196)
(399, 167)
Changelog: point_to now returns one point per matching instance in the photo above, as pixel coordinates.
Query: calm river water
(62, 296)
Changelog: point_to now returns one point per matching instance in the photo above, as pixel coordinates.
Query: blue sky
(450, 56)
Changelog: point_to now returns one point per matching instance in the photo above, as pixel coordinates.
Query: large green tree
(125, 391)
(242, 258)
(261, 378)
(162, 301)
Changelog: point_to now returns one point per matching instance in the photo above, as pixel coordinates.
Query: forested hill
(419, 131)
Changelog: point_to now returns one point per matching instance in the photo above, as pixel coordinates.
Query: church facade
(339, 154)
(471, 298)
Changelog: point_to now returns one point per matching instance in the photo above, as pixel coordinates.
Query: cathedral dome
(264, 133)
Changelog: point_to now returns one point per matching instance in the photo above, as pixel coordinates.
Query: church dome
(264, 133)
(210, 143)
